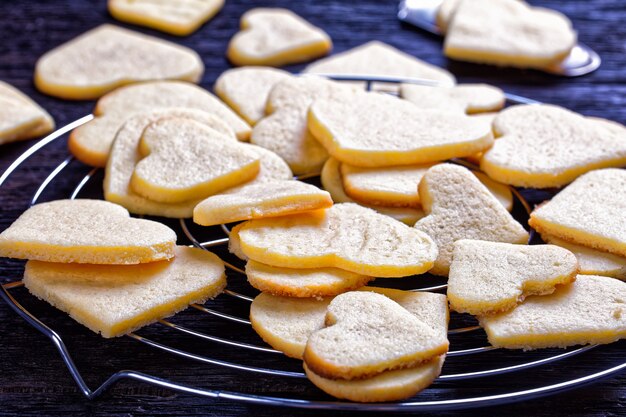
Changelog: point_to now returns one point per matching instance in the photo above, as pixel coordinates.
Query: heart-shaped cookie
(20, 117)
(460, 207)
(491, 277)
(178, 17)
(246, 89)
(276, 37)
(532, 139)
(91, 142)
(508, 32)
(186, 160)
(107, 57)
(374, 130)
(367, 334)
(589, 311)
(464, 98)
(589, 211)
(114, 300)
(86, 231)
(345, 236)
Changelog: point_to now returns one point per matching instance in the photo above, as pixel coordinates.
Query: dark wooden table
(34, 381)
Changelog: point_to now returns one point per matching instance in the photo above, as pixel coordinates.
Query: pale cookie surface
(345, 236)
(268, 199)
(107, 57)
(508, 33)
(589, 212)
(246, 89)
(86, 231)
(378, 58)
(591, 310)
(367, 334)
(332, 182)
(114, 300)
(374, 129)
(592, 261)
(186, 160)
(285, 130)
(178, 17)
(286, 322)
(276, 37)
(465, 98)
(491, 277)
(531, 141)
(460, 207)
(91, 142)
(20, 117)
(445, 12)
(303, 283)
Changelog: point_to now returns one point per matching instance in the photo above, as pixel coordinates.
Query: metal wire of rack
(206, 310)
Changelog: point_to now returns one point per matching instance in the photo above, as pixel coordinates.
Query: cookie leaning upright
(459, 206)
(590, 212)
(107, 57)
(276, 37)
(86, 231)
(20, 117)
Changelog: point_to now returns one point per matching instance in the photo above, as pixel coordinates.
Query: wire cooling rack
(460, 374)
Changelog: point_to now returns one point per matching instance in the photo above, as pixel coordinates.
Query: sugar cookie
(303, 283)
(589, 212)
(460, 207)
(178, 17)
(91, 142)
(345, 236)
(246, 89)
(20, 117)
(268, 199)
(464, 98)
(491, 277)
(508, 33)
(114, 300)
(589, 311)
(529, 153)
(107, 57)
(234, 243)
(276, 37)
(86, 231)
(186, 160)
(374, 129)
(367, 334)
(445, 12)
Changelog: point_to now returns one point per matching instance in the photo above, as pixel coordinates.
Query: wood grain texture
(34, 381)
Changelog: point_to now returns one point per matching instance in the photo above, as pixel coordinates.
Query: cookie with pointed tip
(592, 261)
(376, 58)
(91, 142)
(376, 130)
(20, 117)
(345, 236)
(464, 98)
(108, 57)
(114, 300)
(368, 333)
(256, 201)
(86, 231)
(492, 277)
(276, 37)
(284, 131)
(589, 212)
(529, 153)
(459, 206)
(178, 17)
(286, 323)
(332, 182)
(303, 283)
(246, 89)
(508, 33)
(591, 310)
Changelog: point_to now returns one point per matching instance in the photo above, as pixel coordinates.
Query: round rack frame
(218, 237)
